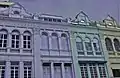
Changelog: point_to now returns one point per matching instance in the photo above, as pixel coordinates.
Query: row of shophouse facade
(50, 46)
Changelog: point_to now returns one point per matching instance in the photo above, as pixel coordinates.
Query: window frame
(54, 39)
(64, 42)
(45, 41)
(15, 39)
(109, 45)
(3, 39)
(27, 40)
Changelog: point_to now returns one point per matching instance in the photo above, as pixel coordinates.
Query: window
(54, 41)
(14, 69)
(3, 38)
(15, 39)
(68, 70)
(116, 72)
(102, 71)
(27, 40)
(57, 70)
(79, 45)
(64, 42)
(109, 45)
(2, 69)
(46, 70)
(16, 12)
(84, 71)
(96, 44)
(88, 46)
(93, 71)
(117, 44)
(44, 41)
(27, 70)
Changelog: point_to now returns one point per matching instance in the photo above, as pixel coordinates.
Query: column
(21, 69)
(36, 53)
(33, 69)
(7, 70)
(21, 43)
(9, 42)
(106, 55)
(93, 50)
(52, 70)
(97, 68)
(74, 53)
(63, 70)
(89, 74)
(84, 48)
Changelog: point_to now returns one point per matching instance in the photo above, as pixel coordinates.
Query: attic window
(54, 20)
(16, 12)
(82, 21)
(59, 20)
(45, 19)
(50, 19)
(109, 23)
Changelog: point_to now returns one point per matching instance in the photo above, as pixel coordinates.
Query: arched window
(79, 44)
(88, 44)
(117, 44)
(54, 41)
(108, 43)
(64, 42)
(3, 38)
(15, 39)
(96, 44)
(27, 40)
(44, 40)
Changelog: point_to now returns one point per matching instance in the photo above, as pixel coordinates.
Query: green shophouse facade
(110, 37)
(88, 55)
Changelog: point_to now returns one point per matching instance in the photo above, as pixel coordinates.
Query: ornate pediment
(110, 21)
(13, 9)
(81, 18)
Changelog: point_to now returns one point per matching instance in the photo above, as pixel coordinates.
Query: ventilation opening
(4, 6)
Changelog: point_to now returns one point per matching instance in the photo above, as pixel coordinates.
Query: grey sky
(95, 9)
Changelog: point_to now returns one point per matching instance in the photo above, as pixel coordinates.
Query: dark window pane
(28, 37)
(0, 45)
(24, 37)
(24, 42)
(17, 42)
(17, 37)
(5, 36)
(1, 36)
(1, 41)
(28, 46)
(5, 41)
(4, 45)
(13, 36)
(17, 46)
(24, 46)
(13, 45)
(29, 42)
(116, 72)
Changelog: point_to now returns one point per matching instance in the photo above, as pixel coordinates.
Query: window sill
(44, 49)
(3, 49)
(27, 50)
(65, 50)
(54, 50)
(16, 50)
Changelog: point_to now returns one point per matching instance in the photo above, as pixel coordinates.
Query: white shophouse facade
(33, 46)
